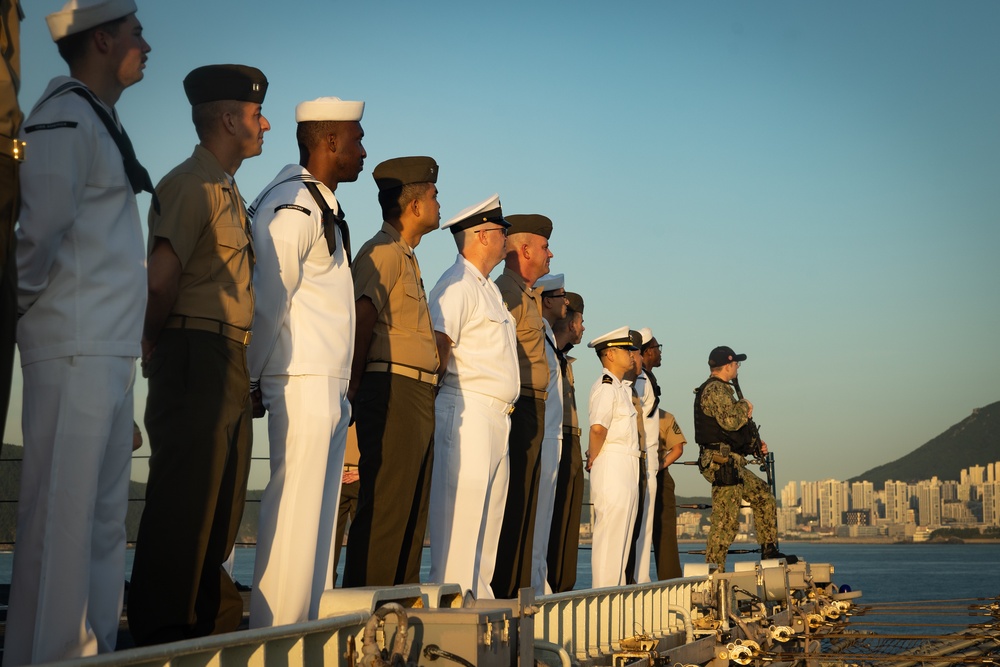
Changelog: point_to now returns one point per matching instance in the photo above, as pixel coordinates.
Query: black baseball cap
(723, 355)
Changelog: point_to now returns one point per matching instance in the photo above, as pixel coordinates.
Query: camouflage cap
(723, 355)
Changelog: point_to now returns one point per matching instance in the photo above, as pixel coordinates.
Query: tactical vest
(707, 430)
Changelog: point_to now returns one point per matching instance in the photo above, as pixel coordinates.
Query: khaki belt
(531, 392)
(236, 334)
(572, 430)
(405, 371)
(12, 148)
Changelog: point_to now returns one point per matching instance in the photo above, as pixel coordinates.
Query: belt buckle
(17, 151)
(247, 335)
(510, 409)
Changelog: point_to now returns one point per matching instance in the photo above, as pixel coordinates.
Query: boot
(770, 550)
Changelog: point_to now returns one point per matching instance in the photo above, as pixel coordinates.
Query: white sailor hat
(79, 15)
(328, 108)
(485, 211)
(618, 338)
(550, 282)
(647, 334)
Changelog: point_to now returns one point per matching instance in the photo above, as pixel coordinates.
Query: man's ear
(102, 41)
(228, 123)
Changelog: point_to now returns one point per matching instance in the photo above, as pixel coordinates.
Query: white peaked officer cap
(647, 334)
(618, 338)
(488, 210)
(328, 108)
(550, 282)
(79, 15)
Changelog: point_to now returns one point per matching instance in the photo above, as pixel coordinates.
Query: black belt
(715, 446)
(572, 430)
(241, 336)
(531, 392)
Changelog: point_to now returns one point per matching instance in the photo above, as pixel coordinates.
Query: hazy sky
(814, 184)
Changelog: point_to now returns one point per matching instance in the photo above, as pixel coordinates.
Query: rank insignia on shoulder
(50, 126)
(294, 207)
(607, 380)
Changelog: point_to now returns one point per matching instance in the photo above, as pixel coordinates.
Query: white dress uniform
(301, 352)
(614, 476)
(472, 413)
(549, 473)
(651, 427)
(81, 299)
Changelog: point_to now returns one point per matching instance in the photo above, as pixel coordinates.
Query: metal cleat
(781, 633)
(740, 653)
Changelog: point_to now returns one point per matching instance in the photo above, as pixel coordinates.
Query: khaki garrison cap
(400, 171)
(213, 83)
(575, 302)
(636, 339)
(531, 223)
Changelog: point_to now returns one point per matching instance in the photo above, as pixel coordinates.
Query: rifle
(766, 460)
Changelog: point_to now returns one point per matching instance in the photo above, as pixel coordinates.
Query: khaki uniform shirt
(525, 305)
(637, 404)
(203, 217)
(670, 436)
(570, 417)
(386, 271)
(10, 72)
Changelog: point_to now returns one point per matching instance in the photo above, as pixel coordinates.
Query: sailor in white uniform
(477, 347)
(651, 427)
(613, 459)
(80, 300)
(553, 287)
(300, 357)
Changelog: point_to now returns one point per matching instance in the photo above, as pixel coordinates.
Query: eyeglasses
(554, 296)
(502, 230)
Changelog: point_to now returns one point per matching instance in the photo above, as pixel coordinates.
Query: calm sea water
(884, 573)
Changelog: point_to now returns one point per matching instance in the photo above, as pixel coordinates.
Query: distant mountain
(973, 441)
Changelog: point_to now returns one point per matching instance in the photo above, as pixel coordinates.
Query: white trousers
(468, 489)
(308, 417)
(644, 542)
(549, 461)
(69, 561)
(614, 490)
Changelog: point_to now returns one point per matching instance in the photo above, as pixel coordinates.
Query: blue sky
(813, 184)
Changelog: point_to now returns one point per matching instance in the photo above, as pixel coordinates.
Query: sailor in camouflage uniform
(720, 429)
